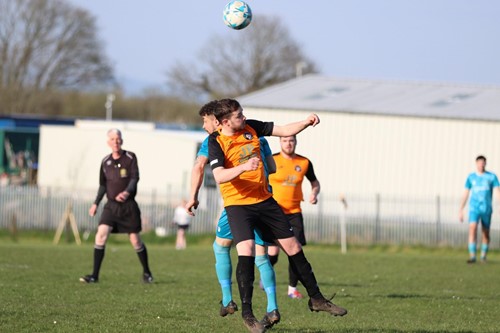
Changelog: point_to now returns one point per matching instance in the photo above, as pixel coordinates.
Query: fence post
(13, 227)
(438, 220)
(48, 208)
(319, 230)
(377, 218)
(153, 209)
(343, 228)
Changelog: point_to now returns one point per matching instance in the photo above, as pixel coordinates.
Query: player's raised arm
(297, 127)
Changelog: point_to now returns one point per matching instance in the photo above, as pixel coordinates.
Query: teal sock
(484, 250)
(224, 269)
(472, 250)
(268, 280)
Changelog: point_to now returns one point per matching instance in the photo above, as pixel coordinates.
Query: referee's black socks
(98, 258)
(142, 253)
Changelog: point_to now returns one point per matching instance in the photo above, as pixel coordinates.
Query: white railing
(369, 219)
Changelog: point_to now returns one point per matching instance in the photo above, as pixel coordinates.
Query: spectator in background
(182, 219)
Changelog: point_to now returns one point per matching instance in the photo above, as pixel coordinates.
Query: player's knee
(101, 239)
(137, 245)
(246, 248)
(135, 241)
(291, 246)
(224, 242)
(273, 250)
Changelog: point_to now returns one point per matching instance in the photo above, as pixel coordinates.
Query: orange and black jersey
(230, 151)
(287, 181)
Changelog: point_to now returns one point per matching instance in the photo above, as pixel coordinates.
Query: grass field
(385, 290)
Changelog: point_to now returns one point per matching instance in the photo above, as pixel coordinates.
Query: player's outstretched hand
(190, 205)
(461, 216)
(252, 164)
(313, 119)
(93, 210)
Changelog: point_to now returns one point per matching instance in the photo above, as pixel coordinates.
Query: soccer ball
(237, 15)
(161, 231)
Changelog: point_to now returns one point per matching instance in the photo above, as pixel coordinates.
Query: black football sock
(142, 253)
(293, 279)
(245, 276)
(273, 259)
(98, 258)
(303, 270)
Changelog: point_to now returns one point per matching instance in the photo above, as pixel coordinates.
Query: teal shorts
(484, 218)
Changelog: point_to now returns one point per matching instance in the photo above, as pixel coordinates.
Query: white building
(70, 156)
(396, 138)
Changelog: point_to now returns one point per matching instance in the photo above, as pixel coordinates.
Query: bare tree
(46, 45)
(256, 57)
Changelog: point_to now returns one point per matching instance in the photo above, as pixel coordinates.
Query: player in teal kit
(224, 238)
(480, 186)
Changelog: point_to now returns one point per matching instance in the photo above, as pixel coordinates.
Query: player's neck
(116, 154)
(287, 156)
(228, 131)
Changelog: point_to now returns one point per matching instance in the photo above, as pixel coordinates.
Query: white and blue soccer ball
(237, 15)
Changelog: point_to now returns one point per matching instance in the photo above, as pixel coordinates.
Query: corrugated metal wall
(412, 159)
(391, 155)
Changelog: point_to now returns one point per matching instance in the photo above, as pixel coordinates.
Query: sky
(453, 41)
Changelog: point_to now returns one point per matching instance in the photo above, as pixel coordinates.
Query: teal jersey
(481, 191)
(203, 151)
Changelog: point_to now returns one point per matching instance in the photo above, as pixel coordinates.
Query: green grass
(390, 289)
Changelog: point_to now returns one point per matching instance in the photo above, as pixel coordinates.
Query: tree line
(53, 63)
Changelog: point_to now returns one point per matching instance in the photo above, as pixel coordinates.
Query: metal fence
(368, 219)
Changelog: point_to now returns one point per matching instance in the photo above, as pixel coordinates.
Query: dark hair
(225, 108)
(480, 157)
(209, 108)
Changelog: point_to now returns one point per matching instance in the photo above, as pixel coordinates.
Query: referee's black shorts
(267, 216)
(123, 217)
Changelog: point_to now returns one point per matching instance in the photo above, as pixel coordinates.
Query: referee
(119, 175)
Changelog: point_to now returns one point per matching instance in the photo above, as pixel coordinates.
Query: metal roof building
(388, 138)
(396, 98)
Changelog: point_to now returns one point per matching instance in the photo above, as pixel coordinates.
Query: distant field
(385, 290)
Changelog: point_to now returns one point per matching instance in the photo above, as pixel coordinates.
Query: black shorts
(182, 226)
(267, 216)
(122, 217)
(297, 222)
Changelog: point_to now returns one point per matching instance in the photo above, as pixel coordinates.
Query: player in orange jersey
(287, 191)
(234, 156)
